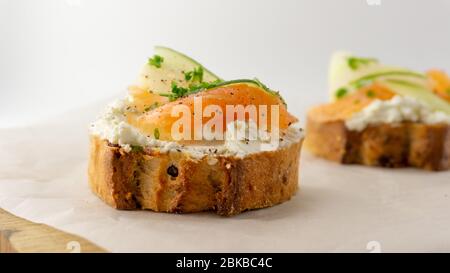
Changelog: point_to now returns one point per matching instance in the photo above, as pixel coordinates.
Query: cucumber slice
(173, 68)
(387, 74)
(418, 92)
(349, 73)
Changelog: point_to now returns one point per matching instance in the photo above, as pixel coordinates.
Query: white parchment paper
(338, 208)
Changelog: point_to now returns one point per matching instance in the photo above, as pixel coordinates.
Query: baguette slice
(176, 182)
(388, 145)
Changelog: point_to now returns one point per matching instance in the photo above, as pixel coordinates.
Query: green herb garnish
(180, 92)
(370, 93)
(355, 62)
(156, 61)
(177, 92)
(341, 92)
(156, 133)
(195, 75)
(136, 148)
(188, 75)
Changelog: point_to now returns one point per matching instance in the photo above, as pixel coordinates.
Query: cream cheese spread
(396, 110)
(112, 125)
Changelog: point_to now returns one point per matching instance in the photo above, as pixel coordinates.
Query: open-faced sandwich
(383, 116)
(183, 140)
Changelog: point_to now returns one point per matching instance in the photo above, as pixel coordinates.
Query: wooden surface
(20, 235)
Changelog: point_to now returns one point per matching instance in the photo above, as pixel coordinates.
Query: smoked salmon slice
(345, 107)
(158, 122)
(440, 83)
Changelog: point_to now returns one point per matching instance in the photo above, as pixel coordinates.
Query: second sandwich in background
(382, 115)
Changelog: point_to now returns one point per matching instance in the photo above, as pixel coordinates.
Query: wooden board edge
(18, 235)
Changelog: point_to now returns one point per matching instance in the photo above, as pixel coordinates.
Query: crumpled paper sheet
(338, 208)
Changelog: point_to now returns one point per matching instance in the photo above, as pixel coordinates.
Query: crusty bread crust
(227, 185)
(387, 145)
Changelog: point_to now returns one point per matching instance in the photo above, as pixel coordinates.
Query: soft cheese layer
(112, 125)
(398, 109)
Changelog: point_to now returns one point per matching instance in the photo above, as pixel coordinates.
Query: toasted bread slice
(176, 182)
(388, 145)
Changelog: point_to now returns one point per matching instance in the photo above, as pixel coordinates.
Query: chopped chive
(156, 61)
(341, 92)
(354, 62)
(370, 94)
(188, 75)
(195, 75)
(180, 92)
(156, 133)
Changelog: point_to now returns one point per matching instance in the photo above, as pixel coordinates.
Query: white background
(59, 54)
